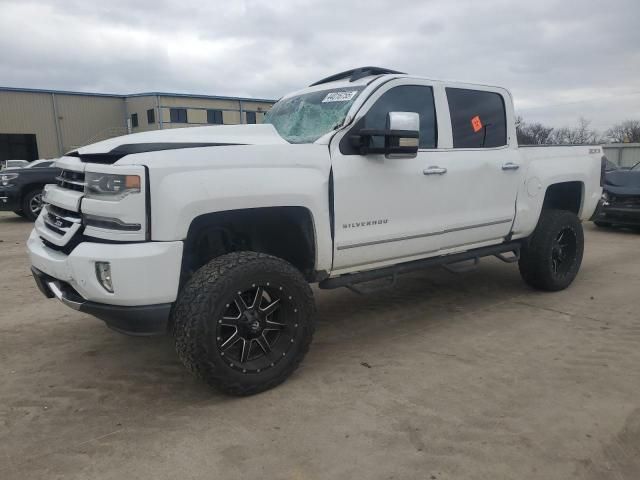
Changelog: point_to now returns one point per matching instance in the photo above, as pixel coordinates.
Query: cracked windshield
(305, 118)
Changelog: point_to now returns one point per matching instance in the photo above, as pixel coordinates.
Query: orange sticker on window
(476, 123)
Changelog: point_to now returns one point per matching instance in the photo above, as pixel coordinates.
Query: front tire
(551, 257)
(243, 322)
(32, 205)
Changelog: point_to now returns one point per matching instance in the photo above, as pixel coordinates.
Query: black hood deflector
(120, 151)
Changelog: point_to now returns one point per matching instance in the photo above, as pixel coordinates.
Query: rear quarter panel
(549, 165)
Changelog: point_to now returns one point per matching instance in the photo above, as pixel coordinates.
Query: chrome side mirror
(401, 137)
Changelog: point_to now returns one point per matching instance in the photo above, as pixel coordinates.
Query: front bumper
(9, 199)
(145, 279)
(618, 215)
(136, 320)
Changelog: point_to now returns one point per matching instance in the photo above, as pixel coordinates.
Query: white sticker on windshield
(339, 96)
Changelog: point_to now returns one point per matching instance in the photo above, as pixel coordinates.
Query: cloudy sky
(560, 58)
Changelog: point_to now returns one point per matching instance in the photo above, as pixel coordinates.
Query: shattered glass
(307, 117)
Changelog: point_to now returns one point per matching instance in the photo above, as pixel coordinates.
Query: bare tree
(532, 133)
(539, 134)
(625, 132)
(578, 135)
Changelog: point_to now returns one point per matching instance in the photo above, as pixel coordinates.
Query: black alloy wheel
(563, 251)
(551, 257)
(244, 322)
(257, 328)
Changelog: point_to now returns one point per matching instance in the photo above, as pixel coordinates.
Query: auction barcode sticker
(339, 96)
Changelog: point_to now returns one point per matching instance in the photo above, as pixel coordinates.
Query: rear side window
(406, 98)
(478, 118)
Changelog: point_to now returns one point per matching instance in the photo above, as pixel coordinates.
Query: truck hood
(622, 182)
(111, 150)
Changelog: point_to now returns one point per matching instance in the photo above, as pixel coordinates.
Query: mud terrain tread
(207, 287)
(534, 264)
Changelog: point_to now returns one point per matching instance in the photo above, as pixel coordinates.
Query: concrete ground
(444, 377)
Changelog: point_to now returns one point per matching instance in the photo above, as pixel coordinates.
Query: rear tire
(243, 322)
(551, 257)
(20, 213)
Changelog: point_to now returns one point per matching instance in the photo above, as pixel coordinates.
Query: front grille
(60, 220)
(624, 201)
(71, 180)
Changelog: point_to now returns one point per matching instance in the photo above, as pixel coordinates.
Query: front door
(386, 209)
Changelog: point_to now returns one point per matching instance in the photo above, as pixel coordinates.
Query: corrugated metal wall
(65, 121)
(623, 154)
(30, 113)
(85, 119)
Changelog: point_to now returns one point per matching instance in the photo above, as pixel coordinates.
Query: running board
(350, 279)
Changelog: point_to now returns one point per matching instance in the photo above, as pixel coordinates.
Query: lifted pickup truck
(215, 233)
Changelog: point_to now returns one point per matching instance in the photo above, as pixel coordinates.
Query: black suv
(21, 188)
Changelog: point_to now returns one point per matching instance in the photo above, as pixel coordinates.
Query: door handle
(434, 171)
(510, 166)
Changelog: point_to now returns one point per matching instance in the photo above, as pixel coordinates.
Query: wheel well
(284, 232)
(564, 196)
(30, 188)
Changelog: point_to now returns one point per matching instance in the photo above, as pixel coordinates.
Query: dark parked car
(21, 188)
(621, 205)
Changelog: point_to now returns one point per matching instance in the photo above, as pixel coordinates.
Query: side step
(350, 279)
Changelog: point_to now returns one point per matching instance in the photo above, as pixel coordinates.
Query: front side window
(478, 118)
(307, 117)
(178, 115)
(405, 98)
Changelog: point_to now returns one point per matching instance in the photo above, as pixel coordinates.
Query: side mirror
(400, 139)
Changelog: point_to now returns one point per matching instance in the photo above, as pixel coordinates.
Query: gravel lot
(444, 377)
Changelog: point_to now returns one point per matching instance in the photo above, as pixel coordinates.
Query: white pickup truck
(215, 233)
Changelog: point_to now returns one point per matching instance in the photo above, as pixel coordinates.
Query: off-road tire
(537, 255)
(204, 299)
(26, 205)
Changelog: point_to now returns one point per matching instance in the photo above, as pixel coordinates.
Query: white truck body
(367, 211)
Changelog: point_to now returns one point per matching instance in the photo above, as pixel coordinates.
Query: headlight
(106, 186)
(6, 178)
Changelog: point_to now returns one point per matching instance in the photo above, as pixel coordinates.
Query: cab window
(478, 118)
(406, 98)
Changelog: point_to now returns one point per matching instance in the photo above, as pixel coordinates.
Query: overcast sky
(560, 58)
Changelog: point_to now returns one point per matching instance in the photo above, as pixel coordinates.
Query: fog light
(103, 272)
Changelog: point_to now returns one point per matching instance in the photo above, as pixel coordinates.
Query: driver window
(406, 98)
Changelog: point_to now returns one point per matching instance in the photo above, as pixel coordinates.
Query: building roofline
(60, 92)
(132, 95)
(197, 95)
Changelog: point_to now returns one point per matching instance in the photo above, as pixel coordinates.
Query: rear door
(483, 167)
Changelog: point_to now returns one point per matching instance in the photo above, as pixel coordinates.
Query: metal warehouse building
(47, 123)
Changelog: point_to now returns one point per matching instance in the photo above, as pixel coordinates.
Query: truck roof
(363, 76)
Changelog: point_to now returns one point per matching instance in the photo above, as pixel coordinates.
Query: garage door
(18, 146)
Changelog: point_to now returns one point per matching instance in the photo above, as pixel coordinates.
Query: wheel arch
(567, 195)
(284, 232)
